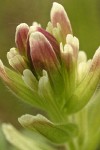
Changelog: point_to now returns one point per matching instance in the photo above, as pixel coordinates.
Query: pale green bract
(51, 73)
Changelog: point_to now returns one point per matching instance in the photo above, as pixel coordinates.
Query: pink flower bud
(59, 15)
(50, 38)
(21, 37)
(42, 53)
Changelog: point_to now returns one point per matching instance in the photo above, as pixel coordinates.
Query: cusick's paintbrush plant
(52, 74)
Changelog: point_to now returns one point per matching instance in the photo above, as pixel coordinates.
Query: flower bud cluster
(50, 65)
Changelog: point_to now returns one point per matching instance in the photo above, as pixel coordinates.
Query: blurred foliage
(4, 145)
(85, 20)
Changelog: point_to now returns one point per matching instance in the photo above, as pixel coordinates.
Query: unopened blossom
(21, 38)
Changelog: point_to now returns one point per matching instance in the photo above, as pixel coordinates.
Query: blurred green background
(85, 19)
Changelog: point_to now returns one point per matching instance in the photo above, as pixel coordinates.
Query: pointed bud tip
(72, 40)
(97, 52)
(30, 80)
(21, 37)
(2, 69)
(3, 73)
(68, 49)
(1, 64)
(96, 60)
(32, 29)
(11, 53)
(82, 57)
(59, 16)
(36, 36)
(56, 11)
(36, 24)
(22, 26)
(74, 43)
(56, 6)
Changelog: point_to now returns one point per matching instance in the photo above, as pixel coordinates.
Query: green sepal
(19, 88)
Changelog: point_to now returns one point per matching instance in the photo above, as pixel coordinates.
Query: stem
(82, 122)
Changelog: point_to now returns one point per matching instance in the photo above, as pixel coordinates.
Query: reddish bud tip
(21, 37)
(42, 53)
(59, 15)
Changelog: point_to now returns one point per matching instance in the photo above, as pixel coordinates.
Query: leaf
(57, 133)
(22, 142)
(3, 142)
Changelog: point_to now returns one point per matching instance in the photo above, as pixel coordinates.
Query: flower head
(50, 71)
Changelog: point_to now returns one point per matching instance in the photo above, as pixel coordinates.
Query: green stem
(82, 122)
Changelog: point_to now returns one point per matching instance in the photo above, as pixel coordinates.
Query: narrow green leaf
(57, 133)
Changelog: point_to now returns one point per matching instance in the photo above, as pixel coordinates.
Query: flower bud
(82, 70)
(59, 15)
(3, 73)
(69, 52)
(82, 57)
(44, 87)
(67, 55)
(42, 53)
(36, 24)
(16, 60)
(49, 37)
(87, 86)
(21, 38)
(30, 80)
(95, 66)
(74, 43)
(69, 68)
